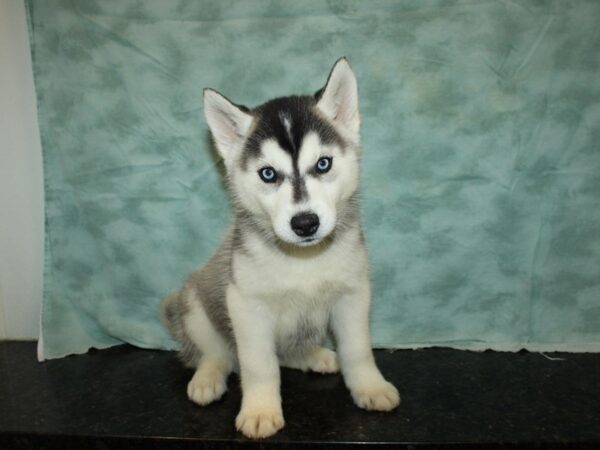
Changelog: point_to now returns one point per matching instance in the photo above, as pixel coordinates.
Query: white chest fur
(268, 272)
(298, 289)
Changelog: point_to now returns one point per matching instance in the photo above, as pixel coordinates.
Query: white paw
(206, 386)
(259, 422)
(381, 396)
(324, 361)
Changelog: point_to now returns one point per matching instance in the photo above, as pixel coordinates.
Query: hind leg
(318, 359)
(209, 382)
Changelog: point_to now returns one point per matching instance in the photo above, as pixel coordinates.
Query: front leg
(260, 415)
(350, 325)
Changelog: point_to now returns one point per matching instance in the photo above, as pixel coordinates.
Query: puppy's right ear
(338, 99)
(228, 122)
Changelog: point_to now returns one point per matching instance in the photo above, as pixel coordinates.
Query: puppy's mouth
(304, 242)
(314, 241)
(305, 247)
(308, 241)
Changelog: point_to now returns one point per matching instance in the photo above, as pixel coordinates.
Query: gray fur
(210, 282)
(174, 309)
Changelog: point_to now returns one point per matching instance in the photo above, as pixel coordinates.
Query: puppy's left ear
(338, 99)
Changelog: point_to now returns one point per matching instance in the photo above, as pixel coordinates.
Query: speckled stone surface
(125, 397)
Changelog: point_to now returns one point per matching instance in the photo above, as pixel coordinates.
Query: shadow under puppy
(294, 263)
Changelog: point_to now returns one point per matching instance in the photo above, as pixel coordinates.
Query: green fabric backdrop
(481, 168)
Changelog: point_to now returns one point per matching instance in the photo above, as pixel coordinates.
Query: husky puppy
(294, 263)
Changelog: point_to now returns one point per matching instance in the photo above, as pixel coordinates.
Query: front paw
(379, 396)
(259, 422)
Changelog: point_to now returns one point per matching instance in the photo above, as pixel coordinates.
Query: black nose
(305, 224)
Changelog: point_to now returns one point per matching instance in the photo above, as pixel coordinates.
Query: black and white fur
(294, 263)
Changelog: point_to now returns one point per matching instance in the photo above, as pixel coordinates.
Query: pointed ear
(229, 123)
(338, 99)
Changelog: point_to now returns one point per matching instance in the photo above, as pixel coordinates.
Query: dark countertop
(125, 397)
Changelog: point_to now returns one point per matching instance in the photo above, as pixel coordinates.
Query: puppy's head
(292, 162)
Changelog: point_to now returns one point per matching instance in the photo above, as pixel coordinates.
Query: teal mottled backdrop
(481, 174)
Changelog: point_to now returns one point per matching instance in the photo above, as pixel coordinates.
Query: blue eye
(268, 174)
(323, 165)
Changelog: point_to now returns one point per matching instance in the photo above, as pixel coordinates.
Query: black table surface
(126, 397)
